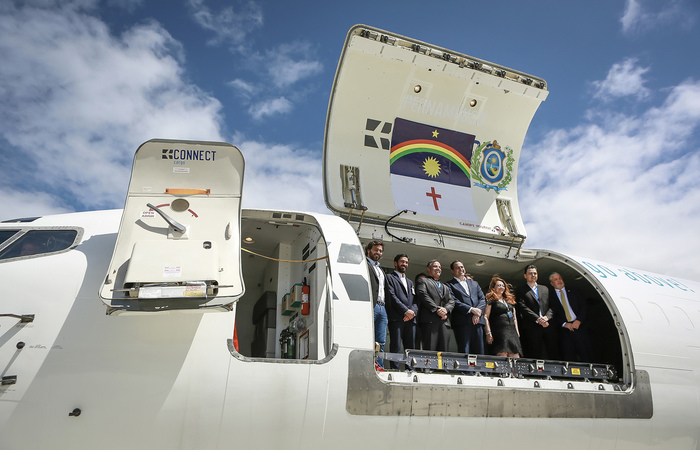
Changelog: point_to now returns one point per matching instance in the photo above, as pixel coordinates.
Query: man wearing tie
(538, 338)
(401, 308)
(570, 317)
(435, 303)
(467, 316)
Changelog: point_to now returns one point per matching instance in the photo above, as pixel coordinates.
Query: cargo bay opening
(285, 311)
(605, 328)
(283, 259)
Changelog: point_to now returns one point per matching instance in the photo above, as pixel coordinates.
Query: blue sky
(610, 165)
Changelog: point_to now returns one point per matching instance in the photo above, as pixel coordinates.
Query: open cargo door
(179, 241)
(426, 137)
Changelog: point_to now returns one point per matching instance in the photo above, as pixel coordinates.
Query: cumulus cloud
(620, 188)
(625, 79)
(270, 107)
(645, 15)
(76, 101)
(228, 25)
(289, 63)
(278, 176)
(274, 71)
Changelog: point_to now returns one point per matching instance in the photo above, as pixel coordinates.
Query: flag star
(435, 133)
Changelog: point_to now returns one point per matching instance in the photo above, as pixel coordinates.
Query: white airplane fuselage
(171, 380)
(184, 322)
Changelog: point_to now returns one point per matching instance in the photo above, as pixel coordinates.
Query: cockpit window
(6, 234)
(37, 242)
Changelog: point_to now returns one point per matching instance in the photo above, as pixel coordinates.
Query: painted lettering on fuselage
(443, 110)
(605, 272)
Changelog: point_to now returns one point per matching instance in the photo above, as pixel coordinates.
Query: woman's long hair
(507, 295)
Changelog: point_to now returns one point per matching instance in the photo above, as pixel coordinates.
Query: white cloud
(645, 15)
(621, 188)
(229, 26)
(243, 88)
(290, 63)
(275, 71)
(624, 79)
(281, 177)
(270, 107)
(76, 101)
(16, 205)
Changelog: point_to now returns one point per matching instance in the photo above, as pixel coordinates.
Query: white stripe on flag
(430, 197)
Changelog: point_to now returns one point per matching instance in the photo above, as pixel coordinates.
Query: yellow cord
(283, 260)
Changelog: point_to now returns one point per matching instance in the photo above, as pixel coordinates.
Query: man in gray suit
(435, 305)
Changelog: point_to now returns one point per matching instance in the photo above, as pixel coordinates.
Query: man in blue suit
(467, 315)
(401, 308)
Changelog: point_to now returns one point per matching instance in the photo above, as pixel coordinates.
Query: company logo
(188, 155)
(492, 166)
(371, 134)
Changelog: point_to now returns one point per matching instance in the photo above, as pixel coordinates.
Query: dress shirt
(402, 277)
(380, 277)
(567, 306)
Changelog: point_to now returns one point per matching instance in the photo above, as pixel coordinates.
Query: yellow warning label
(439, 360)
(490, 365)
(575, 371)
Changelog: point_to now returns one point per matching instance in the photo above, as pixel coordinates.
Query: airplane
(186, 322)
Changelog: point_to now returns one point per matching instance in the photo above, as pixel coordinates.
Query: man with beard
(374, 251)
(401, 308)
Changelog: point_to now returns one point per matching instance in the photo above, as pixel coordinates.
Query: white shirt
(402, 277)
(464, 284)
(380, 277)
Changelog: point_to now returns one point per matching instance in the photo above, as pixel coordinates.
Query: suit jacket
(430, 298)
(529, 308)
(577, 303)
(374, 283)
(398, 299)
(463, 301)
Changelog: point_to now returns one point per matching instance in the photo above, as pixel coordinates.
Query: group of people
(533, 322)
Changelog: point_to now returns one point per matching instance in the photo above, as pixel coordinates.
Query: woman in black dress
(501, 323)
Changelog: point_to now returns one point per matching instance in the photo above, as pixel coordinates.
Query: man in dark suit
(401, 308)
(374, 251)
(435, 303)
(467, 318)
(570, 318)
(538, 338)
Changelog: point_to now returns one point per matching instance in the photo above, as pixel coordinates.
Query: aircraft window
(37, 242)
(6, 234)
(350, 254)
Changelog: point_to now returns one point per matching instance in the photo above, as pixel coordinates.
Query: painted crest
(492, 166)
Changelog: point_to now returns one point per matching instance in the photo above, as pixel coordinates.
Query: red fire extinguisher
(305, 299)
